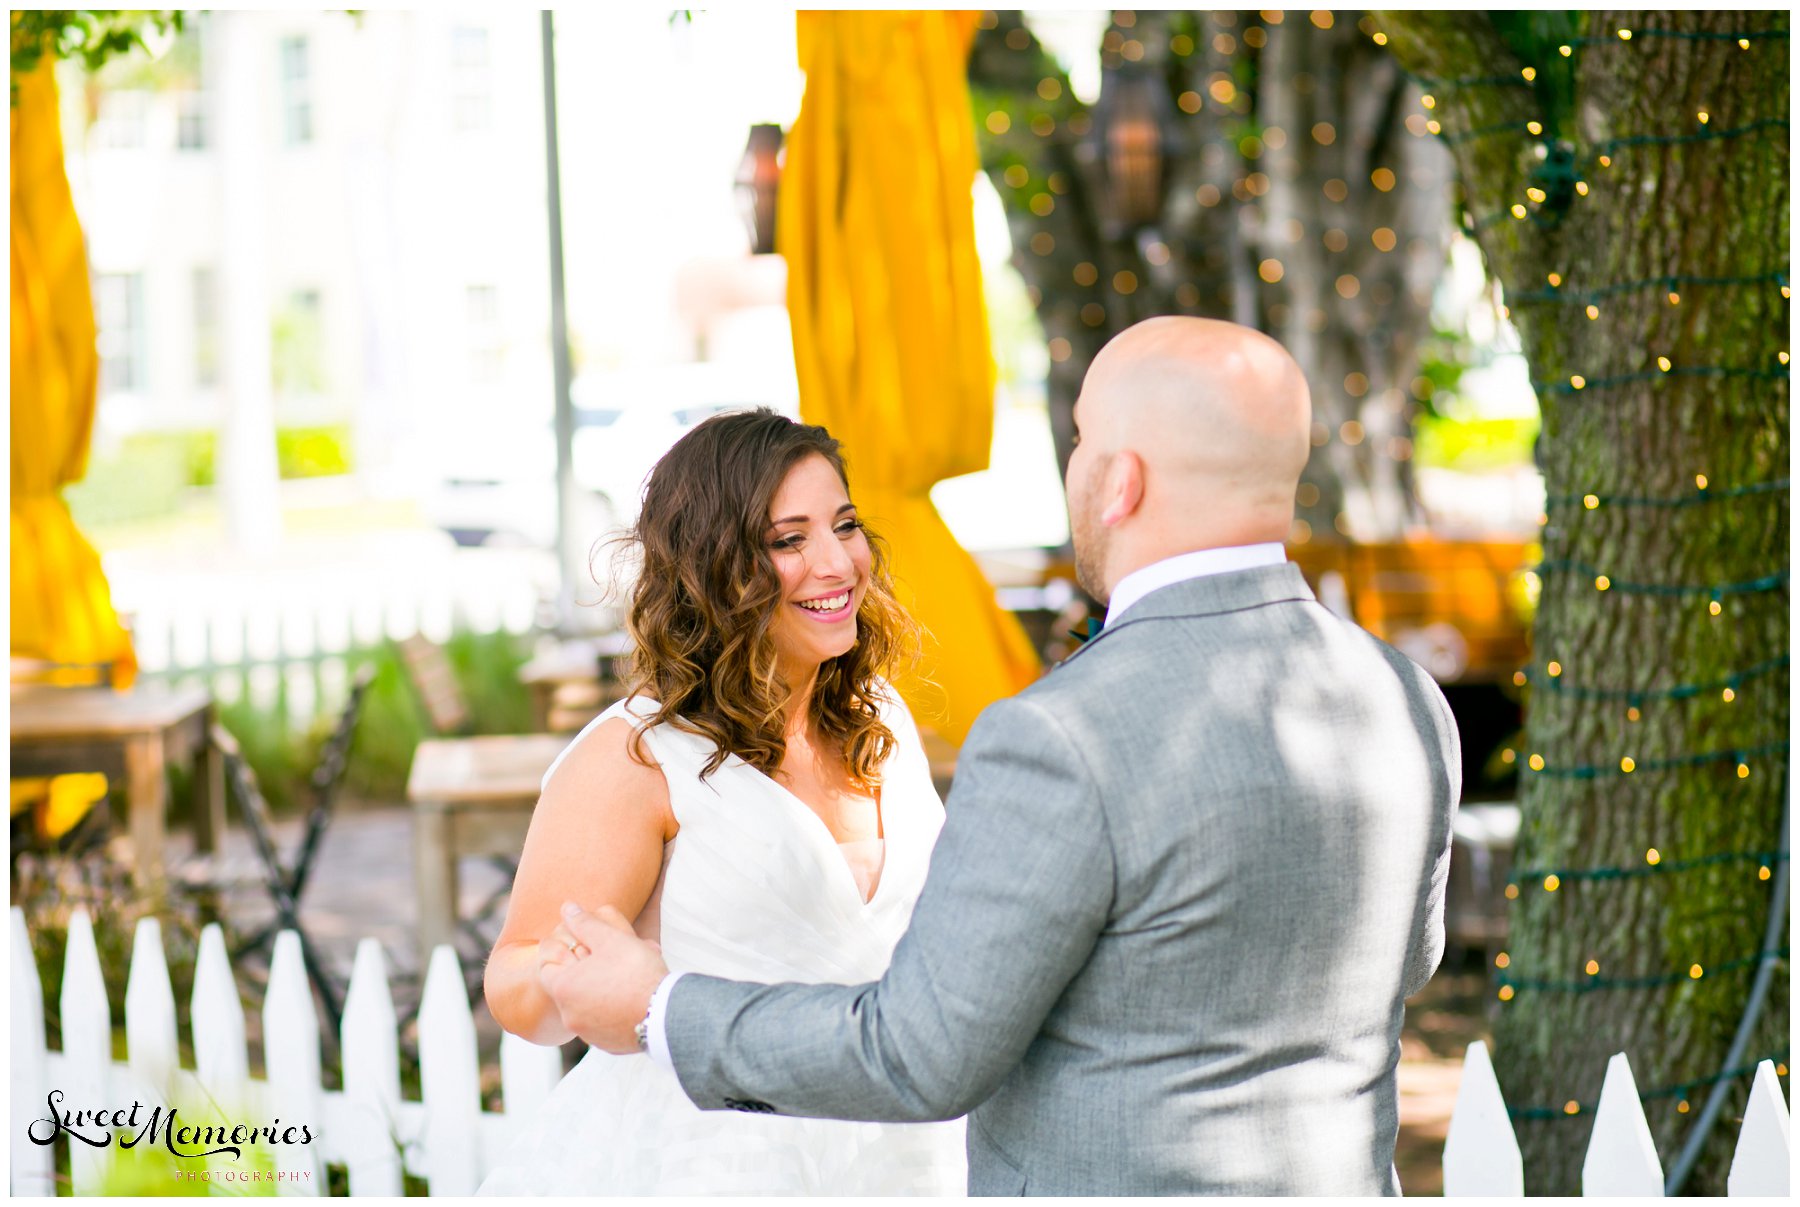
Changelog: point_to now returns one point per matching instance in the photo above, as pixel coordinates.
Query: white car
(626, 420)
(503, 488)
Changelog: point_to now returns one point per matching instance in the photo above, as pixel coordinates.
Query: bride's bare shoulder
(601, 766)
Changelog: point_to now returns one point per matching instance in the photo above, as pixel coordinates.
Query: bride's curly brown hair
(707, 594)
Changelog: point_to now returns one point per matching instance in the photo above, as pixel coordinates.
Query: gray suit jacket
(1184, 884)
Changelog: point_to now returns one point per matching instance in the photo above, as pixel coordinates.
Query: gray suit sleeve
(1020, 886)
(1428, 945)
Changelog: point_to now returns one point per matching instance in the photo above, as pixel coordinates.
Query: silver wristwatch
(642, 1031)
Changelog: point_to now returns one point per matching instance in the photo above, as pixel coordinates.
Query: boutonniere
(1091, 631)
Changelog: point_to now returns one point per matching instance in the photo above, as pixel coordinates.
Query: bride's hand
(600, 975)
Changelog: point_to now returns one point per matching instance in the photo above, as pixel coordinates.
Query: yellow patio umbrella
(890, 331)
(61, 608)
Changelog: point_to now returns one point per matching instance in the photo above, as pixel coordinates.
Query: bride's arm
(597, 838)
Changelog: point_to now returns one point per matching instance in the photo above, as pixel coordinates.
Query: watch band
(642, 1031)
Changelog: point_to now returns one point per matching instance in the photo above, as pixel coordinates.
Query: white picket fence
(447, 1138)
(367, 1127)
(1481, 1153)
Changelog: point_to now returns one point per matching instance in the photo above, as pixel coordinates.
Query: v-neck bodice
(754, 886)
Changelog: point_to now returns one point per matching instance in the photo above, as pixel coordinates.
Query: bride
(762, 807)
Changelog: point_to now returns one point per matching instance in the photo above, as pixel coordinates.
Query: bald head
(1193, 433)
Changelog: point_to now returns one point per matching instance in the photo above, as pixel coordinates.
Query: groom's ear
(1124, 488)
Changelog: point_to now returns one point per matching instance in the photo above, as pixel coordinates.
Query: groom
(1185, 881)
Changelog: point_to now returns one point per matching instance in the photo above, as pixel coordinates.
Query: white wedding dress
(753, 888)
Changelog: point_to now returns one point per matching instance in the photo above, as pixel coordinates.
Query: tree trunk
(1659, 708)
(1277, 134)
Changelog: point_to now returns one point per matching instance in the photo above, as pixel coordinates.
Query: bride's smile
(822, 555)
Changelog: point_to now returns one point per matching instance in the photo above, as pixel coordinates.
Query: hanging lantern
(1134, 138)
(758, 181)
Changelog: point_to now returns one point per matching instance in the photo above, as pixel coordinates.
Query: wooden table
(598, 663)
(470, 796)
(131, 737)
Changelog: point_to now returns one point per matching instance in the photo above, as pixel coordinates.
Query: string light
(1700, 495)
(1679, 1091)
(1742, 37)
(1578, 382)
(1592, 984)
(1653, 865)
(1716, 591)
(1595, 771)
(1663, 140)
(1668, 283)
(1635, 696)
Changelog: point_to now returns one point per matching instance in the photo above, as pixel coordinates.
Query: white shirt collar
(1183, 566)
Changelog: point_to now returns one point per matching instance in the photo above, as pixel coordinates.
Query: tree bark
(1643, 659)
(1277, 131)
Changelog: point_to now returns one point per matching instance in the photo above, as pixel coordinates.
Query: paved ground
(363, 886)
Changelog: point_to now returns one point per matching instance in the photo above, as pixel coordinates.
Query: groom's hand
(601, 976)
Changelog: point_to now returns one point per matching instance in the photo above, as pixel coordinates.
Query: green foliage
(92, 35)
(1474, 445)
(313, 452)
(49, 888)
(147, 474)
(393, 723)
(1535, 36)
(487, 665)
(143, 478)
(1441, 363)
(147, 1169)
(297, 346)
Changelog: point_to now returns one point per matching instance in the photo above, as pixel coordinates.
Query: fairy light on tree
(1259, 167)
(1652, 792)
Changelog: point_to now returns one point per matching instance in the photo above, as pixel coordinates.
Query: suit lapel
(1208, 595)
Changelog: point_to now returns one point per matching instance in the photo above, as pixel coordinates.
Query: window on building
(206, 328)
(471, 79)
(119, 316)
(121, 119)
(296, 92)
(190, 121)
(486, 336)
(298, 344)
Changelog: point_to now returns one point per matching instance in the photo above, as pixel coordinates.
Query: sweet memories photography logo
(163, 1127)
